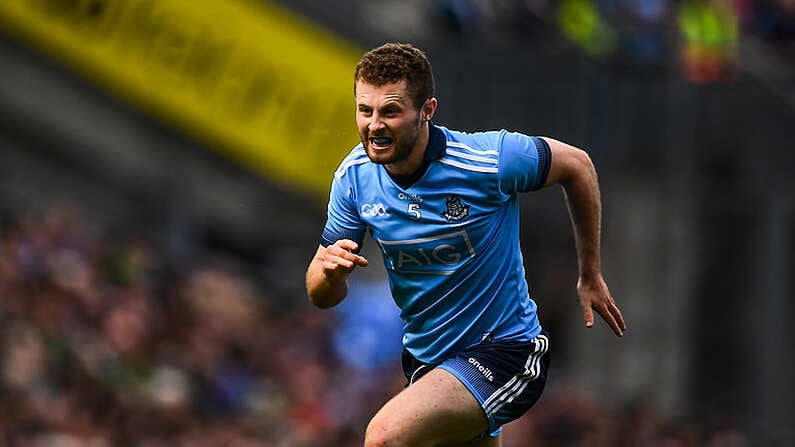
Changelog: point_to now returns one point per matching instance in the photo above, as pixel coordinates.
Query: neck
(415, 160)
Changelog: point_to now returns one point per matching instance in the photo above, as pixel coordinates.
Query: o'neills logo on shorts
(483, 370)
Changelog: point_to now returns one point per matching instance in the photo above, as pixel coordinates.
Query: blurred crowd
(102, 344)
(698, 37)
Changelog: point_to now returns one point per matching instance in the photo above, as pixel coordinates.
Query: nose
(375, 123)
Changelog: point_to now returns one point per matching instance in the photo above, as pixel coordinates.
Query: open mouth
(380, 142)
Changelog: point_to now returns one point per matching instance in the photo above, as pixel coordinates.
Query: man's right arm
(327, 274)
(573, 169)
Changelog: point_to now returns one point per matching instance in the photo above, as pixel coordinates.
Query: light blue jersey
(450, 241)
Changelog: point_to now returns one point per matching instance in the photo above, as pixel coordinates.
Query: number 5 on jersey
(414, 211)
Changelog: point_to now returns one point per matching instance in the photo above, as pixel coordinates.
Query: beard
(402, 146)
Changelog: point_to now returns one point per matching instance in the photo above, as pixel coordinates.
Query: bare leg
(435, 411)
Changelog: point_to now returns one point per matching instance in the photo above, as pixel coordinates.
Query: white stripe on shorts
(516, 386)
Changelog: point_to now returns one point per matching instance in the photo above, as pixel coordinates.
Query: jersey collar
(437, 143)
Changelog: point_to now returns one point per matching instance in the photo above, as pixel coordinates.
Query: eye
(391, 112)
(366, 111)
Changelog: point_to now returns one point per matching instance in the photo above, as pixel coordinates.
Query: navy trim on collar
(437, 143)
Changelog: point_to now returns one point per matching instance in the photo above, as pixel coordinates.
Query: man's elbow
(582, 161)
(569, 163)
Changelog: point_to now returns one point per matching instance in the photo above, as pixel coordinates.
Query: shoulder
(475, 151)
(356, 157)
(489, 140)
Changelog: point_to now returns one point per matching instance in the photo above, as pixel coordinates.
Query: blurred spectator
(697, 38)
(642, 28)
(98, 348)
(775, 21)
(710, 33)
(583, 23)
(369, 330)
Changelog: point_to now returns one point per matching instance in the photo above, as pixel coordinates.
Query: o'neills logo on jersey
(437, 255)
(483, 370)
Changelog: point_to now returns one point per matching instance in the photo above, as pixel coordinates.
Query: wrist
(589, 275)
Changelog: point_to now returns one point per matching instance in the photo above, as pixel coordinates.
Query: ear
(428, 109)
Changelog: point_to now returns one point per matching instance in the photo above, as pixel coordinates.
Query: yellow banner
(248, 78)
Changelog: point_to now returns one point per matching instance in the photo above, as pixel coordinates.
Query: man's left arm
(573, 169)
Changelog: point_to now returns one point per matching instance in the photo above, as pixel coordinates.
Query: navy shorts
(506, 377)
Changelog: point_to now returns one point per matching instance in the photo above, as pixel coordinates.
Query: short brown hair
(393, 62)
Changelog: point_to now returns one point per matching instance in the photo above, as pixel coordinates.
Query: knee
(382, 432)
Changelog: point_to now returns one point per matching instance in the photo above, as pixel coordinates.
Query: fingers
(588, 316)
(341, 254)
(619, 318)
(347, 244)
(602, 302)
(610, 318)
(610, 313)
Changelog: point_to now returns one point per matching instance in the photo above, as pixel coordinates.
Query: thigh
(437, 410)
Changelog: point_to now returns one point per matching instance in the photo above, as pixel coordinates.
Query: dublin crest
(455, 209)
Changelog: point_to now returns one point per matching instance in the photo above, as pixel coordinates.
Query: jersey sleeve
(524, 163)
(342, 221)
